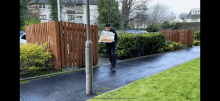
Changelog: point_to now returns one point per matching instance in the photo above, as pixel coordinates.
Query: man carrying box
(110, 48)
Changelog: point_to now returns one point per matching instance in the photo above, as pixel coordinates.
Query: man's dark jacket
(116, 39)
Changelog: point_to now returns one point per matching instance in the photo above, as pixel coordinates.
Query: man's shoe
(113, 69)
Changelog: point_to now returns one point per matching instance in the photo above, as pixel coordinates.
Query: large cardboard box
(107, 37)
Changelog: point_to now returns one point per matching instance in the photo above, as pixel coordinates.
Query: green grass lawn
(180, 83)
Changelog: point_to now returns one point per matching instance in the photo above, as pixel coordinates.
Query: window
(78, 16)
(79, 10)
(198, 11)
(79, 5)
(194, 20)
(92, 17)
(78, 19)
(43, 17)
(42, 6)
(71, 17)
(71, 12)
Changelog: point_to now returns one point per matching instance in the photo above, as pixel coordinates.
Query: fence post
(186, 36)
(97, 59)
(57, 50)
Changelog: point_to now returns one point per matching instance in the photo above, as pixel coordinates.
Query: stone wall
(190, 25)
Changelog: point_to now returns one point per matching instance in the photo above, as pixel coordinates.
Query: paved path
(105, 61)
(72, 87)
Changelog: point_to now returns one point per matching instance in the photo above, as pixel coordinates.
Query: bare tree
(140, 19)
(130, 9)
(183, 16)
(159, 13)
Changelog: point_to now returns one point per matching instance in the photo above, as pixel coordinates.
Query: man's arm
(116, 36)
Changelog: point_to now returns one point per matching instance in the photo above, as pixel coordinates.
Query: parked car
(23, 38)
(21, 32)
(135, 31)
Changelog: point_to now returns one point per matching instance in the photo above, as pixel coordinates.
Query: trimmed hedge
(133, 45)
(197, 35)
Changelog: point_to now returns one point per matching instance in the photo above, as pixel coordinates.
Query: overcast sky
(179, 6)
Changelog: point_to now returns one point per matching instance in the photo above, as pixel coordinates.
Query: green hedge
(196, 42)
(133, 45)
(34, 56)
(197, 35)
(170, 46)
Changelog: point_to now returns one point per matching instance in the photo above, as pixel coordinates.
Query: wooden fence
(66, 42)
(183, 36)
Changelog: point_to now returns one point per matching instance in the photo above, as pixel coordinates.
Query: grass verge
(181, 83)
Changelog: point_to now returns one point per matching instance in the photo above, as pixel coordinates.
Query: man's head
(107, 27)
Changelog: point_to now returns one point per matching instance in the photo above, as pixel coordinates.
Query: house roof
(92, 2)
(193, 16)
(39, 1)
(177, 20)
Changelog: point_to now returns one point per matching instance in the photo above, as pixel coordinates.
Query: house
(72, 11)
(176, 19)
(194, 15)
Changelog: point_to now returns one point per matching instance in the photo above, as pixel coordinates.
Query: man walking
(110, 48)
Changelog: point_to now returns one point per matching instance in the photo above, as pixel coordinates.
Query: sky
(179, 6)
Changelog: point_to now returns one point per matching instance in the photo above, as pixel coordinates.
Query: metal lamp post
(88, 53)
(88, 50)
(58, 8)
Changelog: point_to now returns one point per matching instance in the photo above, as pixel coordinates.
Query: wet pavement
(105, 61)
(72, 87)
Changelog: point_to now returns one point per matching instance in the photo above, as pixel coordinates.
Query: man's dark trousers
(110, 49)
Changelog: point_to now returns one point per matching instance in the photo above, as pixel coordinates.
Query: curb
(144, 56)
(150, 55)
(113, 90)
(77, 68)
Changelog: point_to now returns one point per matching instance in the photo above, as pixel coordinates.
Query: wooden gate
(66, 42)
(183, 36)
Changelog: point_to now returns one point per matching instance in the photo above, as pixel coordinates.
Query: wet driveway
(72, 87)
